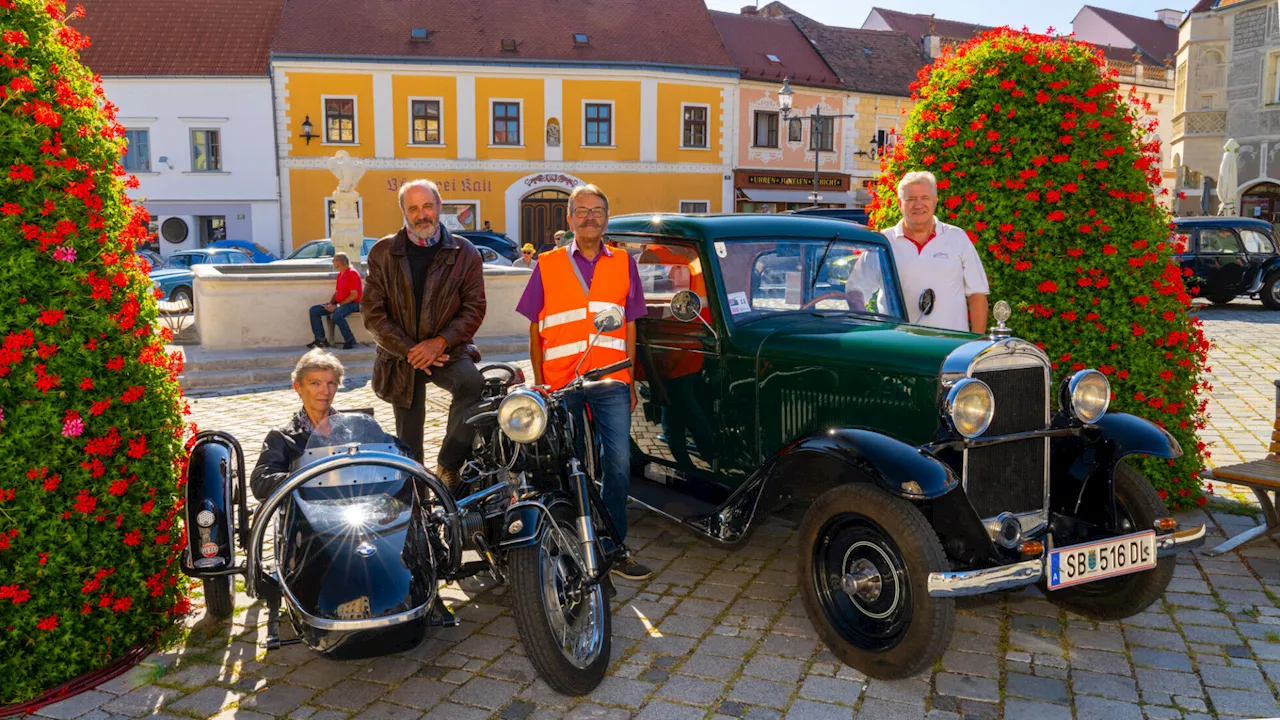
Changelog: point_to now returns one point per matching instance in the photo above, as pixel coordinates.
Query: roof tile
(750, 40)
(917, 26)
(667, 32)
(1154, 37)
(878, 62)
(167, 38)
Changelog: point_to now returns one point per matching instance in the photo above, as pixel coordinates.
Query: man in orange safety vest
(567, 288)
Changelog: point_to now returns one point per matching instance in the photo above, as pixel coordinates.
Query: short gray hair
(346, 259)
(917, 176)
(422, 183)
(588, 189)
(318, 359)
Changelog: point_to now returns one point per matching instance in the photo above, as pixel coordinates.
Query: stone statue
(553, 133)
(1228, 180)
(346, 230)
(348, 169)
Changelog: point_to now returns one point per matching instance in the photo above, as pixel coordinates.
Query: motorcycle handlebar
(593, 375)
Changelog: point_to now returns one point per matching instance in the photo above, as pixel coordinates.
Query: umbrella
(1228, 180)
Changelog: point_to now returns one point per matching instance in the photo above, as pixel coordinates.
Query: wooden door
(542, 214)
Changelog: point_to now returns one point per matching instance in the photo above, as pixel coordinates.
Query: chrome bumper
(1006, 577)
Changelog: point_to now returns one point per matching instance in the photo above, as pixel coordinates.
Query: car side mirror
(685, 306)
(609, 319)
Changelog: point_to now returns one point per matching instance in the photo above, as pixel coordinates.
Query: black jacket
(280, 449)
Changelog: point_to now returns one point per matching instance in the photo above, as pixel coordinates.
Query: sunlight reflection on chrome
(356, 515)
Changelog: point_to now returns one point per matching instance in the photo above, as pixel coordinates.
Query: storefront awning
(828, 197)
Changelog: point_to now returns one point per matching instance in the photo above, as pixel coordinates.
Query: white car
(320, 252)
(491, 256)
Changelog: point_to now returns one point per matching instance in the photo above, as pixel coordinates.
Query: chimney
(751, 10)
(1172, 18)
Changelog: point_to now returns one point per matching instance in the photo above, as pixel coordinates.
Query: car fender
(209, 487)
(1133, 435)
(901, 469)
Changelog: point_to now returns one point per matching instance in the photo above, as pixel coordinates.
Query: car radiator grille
(1010, 476)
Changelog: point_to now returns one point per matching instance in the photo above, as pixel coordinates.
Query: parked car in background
(152, 257)
(253, 249)
(503, 245)
(491, 257)
(320, 252)
(1230, 257)
(173, 278)
(857, 215)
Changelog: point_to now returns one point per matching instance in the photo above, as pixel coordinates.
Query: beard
(423, 230)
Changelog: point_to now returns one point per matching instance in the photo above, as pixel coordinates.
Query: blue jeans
(339, 319)
(610, 404)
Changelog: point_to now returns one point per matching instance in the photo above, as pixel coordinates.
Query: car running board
(669, 502)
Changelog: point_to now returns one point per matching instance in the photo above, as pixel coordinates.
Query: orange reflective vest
(564, 325)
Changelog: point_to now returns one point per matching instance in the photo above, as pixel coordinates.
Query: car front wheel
(865, 559)
(1270, 294)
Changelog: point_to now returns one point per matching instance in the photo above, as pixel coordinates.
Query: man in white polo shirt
(943, 283)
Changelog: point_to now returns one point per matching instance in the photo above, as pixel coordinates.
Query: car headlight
(1088, 394)
(522, 415)
(970, 407)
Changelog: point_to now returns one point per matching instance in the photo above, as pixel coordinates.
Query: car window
(220, 259)
(308, 251)
(487, 254)
(1219, 241)
(665, 268)
(239, 258)
(366, 246)
(761, 278)
(1256, 242)
(178, 261)
(261, 249)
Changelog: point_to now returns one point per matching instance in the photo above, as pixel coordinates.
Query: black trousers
(463, 381)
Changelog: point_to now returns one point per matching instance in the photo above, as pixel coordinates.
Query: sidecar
(355, 554)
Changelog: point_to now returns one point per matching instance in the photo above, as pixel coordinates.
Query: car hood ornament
(1001, 313)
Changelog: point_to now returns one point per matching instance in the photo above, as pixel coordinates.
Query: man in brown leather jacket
(423, 302)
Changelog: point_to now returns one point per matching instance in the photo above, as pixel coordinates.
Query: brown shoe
(450, 478)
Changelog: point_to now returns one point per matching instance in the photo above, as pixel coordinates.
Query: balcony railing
(1200, 122)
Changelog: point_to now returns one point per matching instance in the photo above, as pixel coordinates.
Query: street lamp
(306, 129)
(786, 100)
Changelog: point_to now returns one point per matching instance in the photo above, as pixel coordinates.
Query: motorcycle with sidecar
(362, 535)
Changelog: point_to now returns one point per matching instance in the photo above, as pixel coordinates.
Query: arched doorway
(1261, 201)
(542, 213)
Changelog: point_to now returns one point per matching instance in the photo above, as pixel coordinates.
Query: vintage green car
(776, 367)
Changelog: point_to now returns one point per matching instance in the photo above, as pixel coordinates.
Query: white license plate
(1078, 564)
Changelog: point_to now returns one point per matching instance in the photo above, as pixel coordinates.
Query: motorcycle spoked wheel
(566, 629)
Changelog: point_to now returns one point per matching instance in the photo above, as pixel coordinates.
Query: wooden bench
(1263, 478)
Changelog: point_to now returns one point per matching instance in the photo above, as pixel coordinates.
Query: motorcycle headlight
(970, 407)
(522, 415)
(1088, 393)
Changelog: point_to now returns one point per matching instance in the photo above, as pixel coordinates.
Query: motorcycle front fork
(588, 504)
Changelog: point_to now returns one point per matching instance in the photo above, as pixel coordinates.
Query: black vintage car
(776, 368)
(1230, 257)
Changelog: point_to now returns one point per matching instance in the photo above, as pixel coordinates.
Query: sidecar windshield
(346, 429)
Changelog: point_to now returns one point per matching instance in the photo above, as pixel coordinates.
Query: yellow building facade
(506, 145)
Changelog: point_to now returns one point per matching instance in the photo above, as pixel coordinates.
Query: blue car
(1230, 257)
(253, 249)
(174, 278)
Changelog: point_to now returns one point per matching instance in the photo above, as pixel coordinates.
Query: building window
(695, 126)
(599, 124)
(340, 120)
(425, 122)
(795, 130)
(695, 206)
(767, 129)
(138, 157)
(822, 134)
(506, 123)
(206, 151)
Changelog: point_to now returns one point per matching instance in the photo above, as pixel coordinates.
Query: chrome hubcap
(863, 582)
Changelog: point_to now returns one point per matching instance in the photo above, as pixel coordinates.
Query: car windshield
(357, 497)
(309, 251)
(765, 277)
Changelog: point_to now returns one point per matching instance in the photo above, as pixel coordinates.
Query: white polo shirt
(948, 264)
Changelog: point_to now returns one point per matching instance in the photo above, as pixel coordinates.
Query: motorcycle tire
(540, 575)
(219, 596)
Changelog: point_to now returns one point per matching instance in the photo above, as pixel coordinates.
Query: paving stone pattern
(715, 634)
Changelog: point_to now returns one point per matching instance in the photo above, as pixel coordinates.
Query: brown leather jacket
(453, 307)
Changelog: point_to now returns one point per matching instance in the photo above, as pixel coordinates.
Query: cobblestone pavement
(718, 635)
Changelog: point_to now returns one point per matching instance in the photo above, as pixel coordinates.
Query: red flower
(1056, 216)
(132, 538)
(1048, 286)
(133, 394)
(51, 484)
(115, 364)
(85, 503)
(22, 173)
(48, 623)
(15, 37)
(10, 209)
(148, 506)
(138, 448)
(52, 317)
(1138, 330)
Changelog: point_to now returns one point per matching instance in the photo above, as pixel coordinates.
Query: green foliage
(91, 427)
(1044, 162)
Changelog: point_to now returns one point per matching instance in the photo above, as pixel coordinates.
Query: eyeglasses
(583, 213)
(526, 252)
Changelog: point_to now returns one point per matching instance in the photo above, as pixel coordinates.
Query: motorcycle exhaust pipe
(586, 528)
